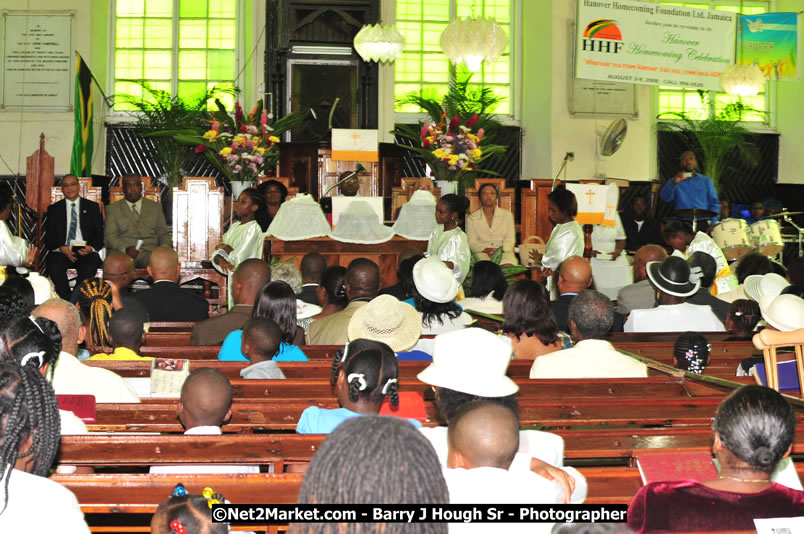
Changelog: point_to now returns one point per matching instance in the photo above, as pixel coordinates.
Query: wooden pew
(250, 415)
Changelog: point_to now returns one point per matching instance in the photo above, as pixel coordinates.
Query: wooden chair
(505, 199)
(768, 341)
(197, 229)
(292, 189)
(401, 194)
(149, 191)
(88, 191)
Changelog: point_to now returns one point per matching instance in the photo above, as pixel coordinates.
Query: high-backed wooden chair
(505, 199)
(292, 189)
(87, 191)
(197, 229)
(401, 194)
(534, 220)
(148, 191)
(768, 341)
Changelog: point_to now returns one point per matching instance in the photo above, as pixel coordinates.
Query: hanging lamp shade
(473, 41)
(379, 43)
(742, 80)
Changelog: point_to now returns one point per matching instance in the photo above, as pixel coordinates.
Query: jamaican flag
(81, 162)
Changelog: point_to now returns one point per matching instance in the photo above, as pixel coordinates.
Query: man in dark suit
(166, 301)
(574, 276)
(72, 221)
(247, 281)
(313, 266)
(640, 230)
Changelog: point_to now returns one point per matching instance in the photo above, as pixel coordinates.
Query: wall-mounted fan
(608, 142)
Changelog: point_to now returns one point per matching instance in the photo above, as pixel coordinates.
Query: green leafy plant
(720, 139)
(157, 110)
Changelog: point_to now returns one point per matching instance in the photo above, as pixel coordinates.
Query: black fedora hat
(673, 276)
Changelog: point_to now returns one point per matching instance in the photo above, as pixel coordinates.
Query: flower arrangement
(453, 144)
(245, 147)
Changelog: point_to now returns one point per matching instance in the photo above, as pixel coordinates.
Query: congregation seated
(70, 376)
(95, 302)
(28, 409)
(753, 432)
(387, 320)
(434, 291)
(691, 352)
(165, 301)
(362, 284)
(574, 275)
(330, 294)
(262, 339)
(488, 289)
(491, 227)
(276, 301)
(590, 316)
(367, 373)
(312, 269)
(290, 274)
(247, 281)
(205, 404)
(19, 291)
(673, 284)
(118, 270)
(708, 268)
(529, 322)
(640, 295)
(640, 230)
(135, 221)
(73, 237)
(742, 319)
(126, 335)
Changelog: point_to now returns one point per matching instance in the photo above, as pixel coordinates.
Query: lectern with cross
(597, 204)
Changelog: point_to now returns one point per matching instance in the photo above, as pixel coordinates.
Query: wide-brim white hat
(783, 312)
(386, 319)
(435, 281)
(472, 361)
(757, 286)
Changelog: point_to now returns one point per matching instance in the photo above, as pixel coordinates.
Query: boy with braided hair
(29, 441)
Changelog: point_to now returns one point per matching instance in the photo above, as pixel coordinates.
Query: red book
(411, 406)
(83, 406)
(676, 466)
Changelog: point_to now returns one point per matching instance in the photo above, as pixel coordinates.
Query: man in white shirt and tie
(73, 237)
(136, 225)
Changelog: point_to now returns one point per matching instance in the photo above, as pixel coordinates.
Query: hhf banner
(773, 42)
(651, 44)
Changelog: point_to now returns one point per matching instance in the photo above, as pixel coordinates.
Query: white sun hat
(757, 286)
(435, 281)
(783, 312)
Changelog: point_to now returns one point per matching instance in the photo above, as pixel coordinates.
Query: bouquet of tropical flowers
(453, 144)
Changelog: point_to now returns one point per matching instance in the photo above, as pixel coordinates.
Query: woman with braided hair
(368, 372)
(753, 432)
(373, 460)
(29, 441)
(95, 304)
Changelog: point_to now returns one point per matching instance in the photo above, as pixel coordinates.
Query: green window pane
(128, 33)
(733, 9)
(159, 8)
(671, 102)
(160, 85)
(192, 65)
(192, 8)
(498, 72)
(221, 65)
(400, 91)
(412, 32)
(435, 69)
(408, 10)
(500, 10)
(504, 107)
(191, 91)
(128, 64)
(129, 89)
(192, 34)
(221, 34)
(755, 10)
(158, 64)
(227, 100)
(409, 68)
(222, 9)
(431, 35)
(130, 8)
(436, 10)
(158, 33)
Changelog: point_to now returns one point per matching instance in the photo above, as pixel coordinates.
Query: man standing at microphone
(690, 189)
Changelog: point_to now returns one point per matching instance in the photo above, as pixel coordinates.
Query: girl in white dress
(448, 242)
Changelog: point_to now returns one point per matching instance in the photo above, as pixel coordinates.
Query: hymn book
(676, 466)
(167, 376)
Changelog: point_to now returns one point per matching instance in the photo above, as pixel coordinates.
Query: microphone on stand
(569, 156)
(349, 176)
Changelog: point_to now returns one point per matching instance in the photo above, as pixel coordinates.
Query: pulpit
(329, 170)
(148, 191)
(197, 229)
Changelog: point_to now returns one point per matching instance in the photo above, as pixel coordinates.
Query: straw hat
(757, 286)
(472, 361)
(673, 276)
(783, 312)
(387, 320)
(434, 280)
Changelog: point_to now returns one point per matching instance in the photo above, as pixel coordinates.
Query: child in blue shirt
(364, 373)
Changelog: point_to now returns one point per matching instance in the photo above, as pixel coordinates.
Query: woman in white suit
(491, 227)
